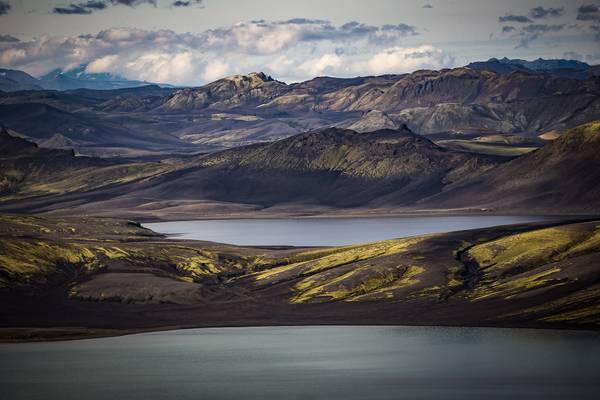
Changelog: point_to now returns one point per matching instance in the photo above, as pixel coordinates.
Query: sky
(192, 42)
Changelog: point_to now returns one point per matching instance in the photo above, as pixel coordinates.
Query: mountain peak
(261, 75)
(255, 78)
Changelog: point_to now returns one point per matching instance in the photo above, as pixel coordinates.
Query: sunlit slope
(530, 275)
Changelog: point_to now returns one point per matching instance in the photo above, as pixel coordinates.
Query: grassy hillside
(27, 170)
(99, 273)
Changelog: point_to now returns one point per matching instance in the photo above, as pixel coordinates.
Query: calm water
(309, 363)
(325, 231)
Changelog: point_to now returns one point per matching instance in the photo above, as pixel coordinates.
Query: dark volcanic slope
(563, 175)
(333, 167)
(326, 169)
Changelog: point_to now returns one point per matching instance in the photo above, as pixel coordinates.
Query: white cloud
(103, 64)
(327, 63)
(291, 50)
(215, 70)
(407, 59)
(159, 67)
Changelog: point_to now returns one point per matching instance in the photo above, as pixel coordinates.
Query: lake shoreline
(50, 335)
(113, 277)
(341, 214)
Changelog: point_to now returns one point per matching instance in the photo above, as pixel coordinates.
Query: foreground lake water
(336, 362)
(326, 231)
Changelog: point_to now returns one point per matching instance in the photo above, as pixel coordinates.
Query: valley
(80, 169)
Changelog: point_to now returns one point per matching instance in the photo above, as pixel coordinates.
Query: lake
(335, 362)
(326, 231)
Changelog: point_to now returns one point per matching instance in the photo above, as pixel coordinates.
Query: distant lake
(335, 362)
(326, 231)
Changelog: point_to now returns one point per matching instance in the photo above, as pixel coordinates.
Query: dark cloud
(90, 6)
(301, 21)
(80, 8)
(515, 18)
(588, 9)
(4, 7)
(8, 39)
(589, 12)
(532, 32)
(185, 3)
(402, 28)
(427, 6)
(541, 12)
(506, 29)
(133, 3)
(542, 28)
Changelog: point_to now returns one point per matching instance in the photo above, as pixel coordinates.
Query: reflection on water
(326, 231)
(309, 363)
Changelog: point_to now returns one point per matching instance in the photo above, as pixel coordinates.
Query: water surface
(341, 362)
(326, 231)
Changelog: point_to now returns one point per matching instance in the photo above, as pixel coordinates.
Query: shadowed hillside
(563, 175)
(326, 170)
(334, 167)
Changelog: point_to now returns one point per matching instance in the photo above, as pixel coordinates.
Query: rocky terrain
(66, 277)
(328, 171)
(563, 174)
(479, 99)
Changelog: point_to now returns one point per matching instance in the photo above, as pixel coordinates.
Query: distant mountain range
(566, 68)
(535, 98)
(76, 78)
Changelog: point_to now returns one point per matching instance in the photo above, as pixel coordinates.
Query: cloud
(541, 12)
(161, 67)
(326, 64)
(532, 32)
(291, 50)
(406, 59)
(132, 3)
(81, 8)
(588, 9)
(542, 28)
(185, 3)
(8, 38)
(427, 6)
(103, 64)
(214, 70)
(522, 19)
(4, 7)
(589, 12)
(525, 34)
(88, 7)
(265, 37)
